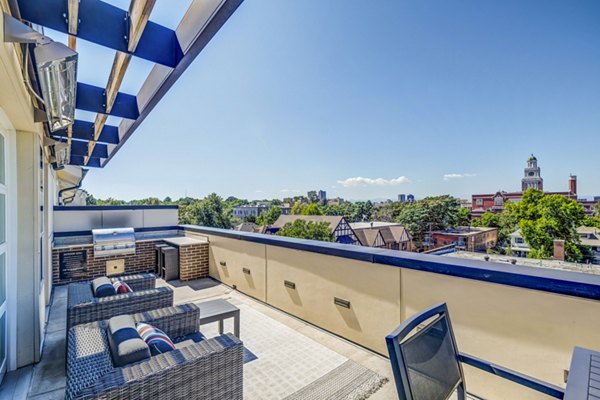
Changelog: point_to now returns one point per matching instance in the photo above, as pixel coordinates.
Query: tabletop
(584, 375)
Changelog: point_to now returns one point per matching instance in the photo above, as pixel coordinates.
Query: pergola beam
(139, 13)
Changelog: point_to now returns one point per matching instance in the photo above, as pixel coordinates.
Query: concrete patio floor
(264, 330)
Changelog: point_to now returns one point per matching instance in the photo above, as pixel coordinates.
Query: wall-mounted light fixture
(62, 152)
(56, 66)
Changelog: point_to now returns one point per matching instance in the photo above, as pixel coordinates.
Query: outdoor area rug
(349, 381)
(291, 365)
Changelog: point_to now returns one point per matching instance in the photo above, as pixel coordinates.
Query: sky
(367, 99)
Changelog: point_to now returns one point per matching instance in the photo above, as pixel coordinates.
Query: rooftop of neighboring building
(465, 231)
(528, 262)
(372, 224)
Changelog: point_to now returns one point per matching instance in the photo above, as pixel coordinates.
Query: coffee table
(217, 311)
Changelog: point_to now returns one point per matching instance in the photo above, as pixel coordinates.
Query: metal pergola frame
(132, 34)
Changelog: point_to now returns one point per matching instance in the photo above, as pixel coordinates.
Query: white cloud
(259, 191)
(289, 191)
(360, 181)
(448, 177)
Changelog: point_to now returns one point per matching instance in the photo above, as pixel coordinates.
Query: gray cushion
(126, 345)
(102, 287)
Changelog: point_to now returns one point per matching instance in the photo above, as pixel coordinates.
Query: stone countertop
(184, 241)
(86, 240)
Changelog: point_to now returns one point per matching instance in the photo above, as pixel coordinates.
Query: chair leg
(461, 392)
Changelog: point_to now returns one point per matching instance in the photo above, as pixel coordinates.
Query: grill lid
(115, 241)
(113, 235)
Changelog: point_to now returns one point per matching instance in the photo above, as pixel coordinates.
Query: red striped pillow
(122, 287)
(157, 340)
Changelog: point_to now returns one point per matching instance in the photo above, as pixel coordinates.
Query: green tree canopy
(307, 230)
(312, 209)
(542, 219)
(269, 217)
(487, 220)
(210, 211)
(430, 213)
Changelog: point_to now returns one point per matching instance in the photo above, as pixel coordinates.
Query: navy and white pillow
(103, 287)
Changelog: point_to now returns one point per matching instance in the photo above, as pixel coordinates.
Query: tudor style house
(339, 226)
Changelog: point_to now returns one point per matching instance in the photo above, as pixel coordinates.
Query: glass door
(3, 260)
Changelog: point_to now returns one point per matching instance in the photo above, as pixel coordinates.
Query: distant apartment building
(402, 198)
(337, 224)
(406, 198)
(410, 198)
(247, 210)
(590, 236)
(464, 238)
(317, 196)
(464, 203)
(494, 202)
(383, 234)
(322, 196)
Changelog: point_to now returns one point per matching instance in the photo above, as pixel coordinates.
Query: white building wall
(7, 130)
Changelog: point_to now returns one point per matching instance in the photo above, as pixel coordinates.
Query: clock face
(530, 173)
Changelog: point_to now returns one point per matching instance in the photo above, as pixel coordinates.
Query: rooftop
(283, 355)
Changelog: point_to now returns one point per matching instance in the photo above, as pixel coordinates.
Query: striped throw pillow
(121, 287)
(157, 340)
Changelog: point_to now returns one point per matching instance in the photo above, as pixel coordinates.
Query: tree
(592, 221)
(210, 211)
(487, 220)
(250, 218)
(307, 230)
(361, 211)
(388, 212)
(463, 217)
(312, 209)
(297, 208)
(543, 219)
(430, 213)
(269, 217)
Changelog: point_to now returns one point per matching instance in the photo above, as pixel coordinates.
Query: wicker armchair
(208, 369)
(83, 307)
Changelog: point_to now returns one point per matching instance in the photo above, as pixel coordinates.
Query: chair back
(426, 364)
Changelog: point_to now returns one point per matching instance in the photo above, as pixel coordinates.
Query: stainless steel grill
(110, 242)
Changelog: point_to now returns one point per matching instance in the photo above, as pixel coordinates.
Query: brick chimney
(573, 184)
(559, 250)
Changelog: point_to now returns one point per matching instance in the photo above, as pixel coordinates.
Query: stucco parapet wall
(553, 281)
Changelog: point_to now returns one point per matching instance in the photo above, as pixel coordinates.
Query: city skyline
(428, 99)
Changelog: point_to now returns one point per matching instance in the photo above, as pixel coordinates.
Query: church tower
(532, 178)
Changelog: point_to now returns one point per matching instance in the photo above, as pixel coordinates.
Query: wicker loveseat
(83, 307)
(204, 369)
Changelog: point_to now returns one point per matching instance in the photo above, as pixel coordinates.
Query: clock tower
(532, 178)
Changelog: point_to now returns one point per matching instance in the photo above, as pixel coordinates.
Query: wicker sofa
(204, 369)
(83, 307)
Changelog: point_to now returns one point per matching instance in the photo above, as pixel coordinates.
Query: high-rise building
(402, 198)
(410, 198)
(322, 196)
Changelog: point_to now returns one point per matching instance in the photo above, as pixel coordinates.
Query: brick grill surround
(143, 260)
(193, 261)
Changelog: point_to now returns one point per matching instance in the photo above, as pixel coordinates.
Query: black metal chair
(428, 366)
